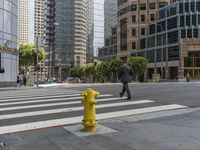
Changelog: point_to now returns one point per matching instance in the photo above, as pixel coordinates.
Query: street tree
(103, 70)
(77, 72)
(114, 68)
(138, 64)
(26, 54)
(90, 71)
(42, 54)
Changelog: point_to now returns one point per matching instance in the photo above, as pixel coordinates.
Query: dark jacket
(125, 73)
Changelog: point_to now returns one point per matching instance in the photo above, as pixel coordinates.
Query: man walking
(124, 74)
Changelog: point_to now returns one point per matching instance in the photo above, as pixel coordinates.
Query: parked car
(76, 80)
(52, 80)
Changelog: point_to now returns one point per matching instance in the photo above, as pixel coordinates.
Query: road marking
(73, 120)
(67, 97)
(43, 95)
(62, 110)
(56, 104)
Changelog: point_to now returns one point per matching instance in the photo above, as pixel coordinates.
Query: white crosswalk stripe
(42, 110)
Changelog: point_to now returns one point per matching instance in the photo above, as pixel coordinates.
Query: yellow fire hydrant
(89, 120)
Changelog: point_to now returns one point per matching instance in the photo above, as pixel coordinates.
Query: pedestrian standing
(188, 77)
(124, 75)
(24, 80)
(18, 80)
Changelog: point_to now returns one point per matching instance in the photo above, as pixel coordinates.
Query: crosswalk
(45, 108)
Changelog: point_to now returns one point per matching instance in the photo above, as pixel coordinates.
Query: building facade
(23, 21)
(98, 26)
(134, 18)
(109, 51)
(39, 21)
(173, 44)
(8, 42)
(65, 34)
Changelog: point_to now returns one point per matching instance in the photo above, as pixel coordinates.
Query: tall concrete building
(65, 33)
(39, 21)
(8, 42)
(134, 18)
(109, 51)
(23, 21)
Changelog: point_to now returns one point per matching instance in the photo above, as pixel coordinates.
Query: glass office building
(98, 25)
(172, 46)
(67, 34)
(8, 42)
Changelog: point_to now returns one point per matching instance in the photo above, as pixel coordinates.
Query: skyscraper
(23, 21)
(108, 52)
(39, 21)
(66, 36)
(8, 43)
(98, 25)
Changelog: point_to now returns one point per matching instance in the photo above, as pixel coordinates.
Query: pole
(37, 50)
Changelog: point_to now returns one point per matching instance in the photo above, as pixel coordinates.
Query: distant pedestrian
(24, 80)
(18, 80)
(188, 77)
(124, 74)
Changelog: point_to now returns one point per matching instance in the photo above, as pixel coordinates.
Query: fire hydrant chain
(89, 119)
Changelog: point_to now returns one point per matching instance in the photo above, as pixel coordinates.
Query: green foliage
(90, 69)
(103, 69)
(77, 72)
(26, 54)
(41, 54)
(114, 65)
(114, 68)
(138, 64)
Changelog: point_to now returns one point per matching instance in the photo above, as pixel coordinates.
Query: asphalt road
(163, 130)
(183, 93)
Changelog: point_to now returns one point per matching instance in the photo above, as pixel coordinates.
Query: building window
(152, 17)
(192, 8)
(152, 6)
(152, 29)
(142, 6)
(133, 7)
(189, 33)
(172, 37)
(162, 4)
(188, 20)
(181, 7)
(194, 20)
(133, 19)
(133, 45)
(133, 32)
(187, 9)
(142, 43)
(142, 18)
(182, 21)
(195, 33)
(198, 6)
(142, 31)
(183, 34)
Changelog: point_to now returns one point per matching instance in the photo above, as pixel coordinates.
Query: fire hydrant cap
(89, 90)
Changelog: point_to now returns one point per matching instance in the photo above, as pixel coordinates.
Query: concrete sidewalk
(177, 130)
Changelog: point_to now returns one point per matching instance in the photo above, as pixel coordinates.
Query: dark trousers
(126, 89)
